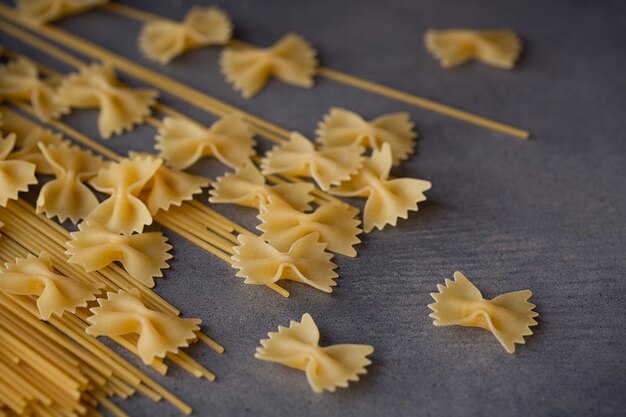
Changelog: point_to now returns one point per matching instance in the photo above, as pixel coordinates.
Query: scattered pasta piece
(159, 333)
(305, 261)
(67, 196)
(291, 60)
(95, 86)
(387, 199)
(143, 256)
(452, 47)
(282, 225)
(246, 187)
(326, 368)
(29, 148)
(19, 80)
(508, 316)
(123, 212)
(42, 11)
(327, 166)
(182, 142)
(163, 40)
(15, 176)
(342, 127)
(55, 293)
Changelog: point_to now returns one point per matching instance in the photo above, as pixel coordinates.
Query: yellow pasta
(326, 368)
(387, 199)
(452, 47)
(66, 197)
(19, 80)
(508, 316)
(42, 11)
(282, 225)
(291, 60)
(15, 176)
(246, 187)
(29, 151)
(55, 293)
(327, 166)
(182, 142)
(306, 262)
(163, 40)
(143, 256)
(125, 313)
(95, 86)
(341, 127)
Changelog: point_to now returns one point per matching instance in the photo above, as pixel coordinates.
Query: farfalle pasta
(124, 313)
(95, 86)
(143, 256)
(163, 40)
(28, 148)
(42, 11)
(291, 60)
(246, 187)
(66, 196)
(282, 225)
(124, 212)
(326, 368)
(15, 175)
(20, 80)
(387, 199)
(327, 166)
(182, 142)
(341, 127)
(508, 316)
(55, 293)
(497, 48)
(306, 262)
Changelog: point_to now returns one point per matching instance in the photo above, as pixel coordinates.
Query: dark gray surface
(547, 214)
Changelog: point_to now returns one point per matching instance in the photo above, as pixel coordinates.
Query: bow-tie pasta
(95, 86)
(387, 199)
(291, 60)
(508, 316)
(143, 256)
(305, 261)
(246, 187)
(326, 368)
(15, 175)
(182, 142)
(163, 40)
(19, 80)
(452, 47)
(42, 11)
(55, 293)
(159, 333)
(327, 166)
(29, 148)
(342, 127)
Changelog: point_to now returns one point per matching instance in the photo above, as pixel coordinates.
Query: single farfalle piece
(28, 148)
(326, 368)
(247, 187)
(15, 175)
(508, 316)
(95, 86)
(306, 262)
(55, 293)
(282, 225)
(143, 256)
(125, 313)
(124, 212)
(291, 60)
(387, 199)
(163, 40)
(498, 48)
(42, 11)
(182, 142)
(20, 80)
(66, 196)
(327, 166)
(341, 127)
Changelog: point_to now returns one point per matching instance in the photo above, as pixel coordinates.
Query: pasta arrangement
(15, 175)
(42, 11)
(29, 148)
(326, 368)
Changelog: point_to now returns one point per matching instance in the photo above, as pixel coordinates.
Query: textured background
(546, 214)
